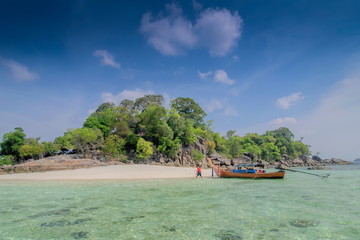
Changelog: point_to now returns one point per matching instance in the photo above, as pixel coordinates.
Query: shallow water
(297, 207)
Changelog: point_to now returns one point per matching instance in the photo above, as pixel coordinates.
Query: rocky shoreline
(183, 159)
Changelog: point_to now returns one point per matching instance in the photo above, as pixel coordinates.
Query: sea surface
(299, 206)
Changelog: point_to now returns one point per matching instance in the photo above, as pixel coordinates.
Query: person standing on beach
(198, 171)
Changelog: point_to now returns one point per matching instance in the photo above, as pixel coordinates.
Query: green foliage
(131, 142)
(198, 156)
(86, 139)
(230, 133)
(7, 160)
(105, 106)
(154, 125)
(182, 128)
(102, 120)
(65, 142)
(301, 149)
(143, 103)
(12, 142)
(34, 151)
(189, 109)
(220, 143)
(114, 145)
(50, 149)
(144, 149)
(270, 152)
(205, 134)
(169, 147)
(210, 146)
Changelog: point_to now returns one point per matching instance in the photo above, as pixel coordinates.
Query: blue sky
(252, 65)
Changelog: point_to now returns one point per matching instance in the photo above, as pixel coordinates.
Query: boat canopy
(249, 165)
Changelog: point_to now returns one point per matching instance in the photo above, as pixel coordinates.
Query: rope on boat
(322, 176)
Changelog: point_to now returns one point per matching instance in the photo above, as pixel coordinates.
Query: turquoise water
(297, 207)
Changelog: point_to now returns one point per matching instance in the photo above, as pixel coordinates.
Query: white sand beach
(112, 172)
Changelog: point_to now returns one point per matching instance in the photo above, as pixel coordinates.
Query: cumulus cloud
(222, 77)
(18, 71)
(333, 127)
(283, 122)
(125, 94)
(288, 101)
(204, 75)
(106, 58)
(170, 34)
(217, 30)
(230, 111)
(196, 5)
(215, 104)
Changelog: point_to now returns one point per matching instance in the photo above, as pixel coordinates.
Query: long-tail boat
(223, 173)
(237, 173)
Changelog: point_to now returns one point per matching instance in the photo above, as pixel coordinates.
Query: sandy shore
(113, 172)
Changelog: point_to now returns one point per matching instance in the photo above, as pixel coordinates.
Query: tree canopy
(143, 127)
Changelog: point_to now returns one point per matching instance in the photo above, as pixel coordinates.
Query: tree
(86, 140)
(34, 151)
(50, 149)
(169, 147)
(182, 128)
(220, 143)
(270, 152)
(128, 104)
(12, 142)
(144, 102)
(65, 142)
(114, 145)
(230, 133)
(153, 124)
(189, 109)
(105, 106)
(7, 160)
(144, 149)
(102, 120)
(301, 149)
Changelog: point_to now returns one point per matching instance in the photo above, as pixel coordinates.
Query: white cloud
(283, 122)
(18, 71)
(230, 111)
(126, 94)
(222, 77)
(106, 58)
(196, 5)
(333, 128)
(204, 75)
(215, 104)
(171, 34)
(288, 101)
(218, 30)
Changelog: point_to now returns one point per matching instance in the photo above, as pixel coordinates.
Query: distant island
(144, 131)
(357, 161)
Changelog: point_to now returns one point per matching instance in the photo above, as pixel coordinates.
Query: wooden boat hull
(228, 174)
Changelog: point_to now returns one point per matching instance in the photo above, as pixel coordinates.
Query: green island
(144, 131)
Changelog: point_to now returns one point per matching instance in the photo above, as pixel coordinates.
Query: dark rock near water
(61, 223)
(228, 235)
(303, 223)
(80, 235)
(318, 168)
(183, 158)
(170, 228)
